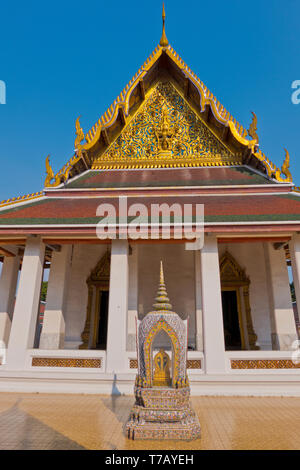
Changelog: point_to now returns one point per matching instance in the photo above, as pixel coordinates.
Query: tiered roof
(165, 135)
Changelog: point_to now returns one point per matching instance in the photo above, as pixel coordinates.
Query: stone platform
(162, 413)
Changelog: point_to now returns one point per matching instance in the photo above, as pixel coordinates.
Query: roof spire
(163, 41)
(162, 299)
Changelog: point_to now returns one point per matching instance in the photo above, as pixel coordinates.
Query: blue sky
(63, 59)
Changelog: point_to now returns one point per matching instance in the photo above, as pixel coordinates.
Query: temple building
(166, 139)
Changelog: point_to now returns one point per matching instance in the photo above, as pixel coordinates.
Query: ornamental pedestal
(162, 408)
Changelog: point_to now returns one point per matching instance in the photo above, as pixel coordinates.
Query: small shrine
(162, 409)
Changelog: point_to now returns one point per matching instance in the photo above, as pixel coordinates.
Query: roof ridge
(26, 197)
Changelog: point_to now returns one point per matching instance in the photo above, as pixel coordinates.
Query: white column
(281, 310)
(213, 330)
(198, 302)
(295, 261)
(53, 331)
(27, 304)
(132, 299)
(117, 307)
(8, 285)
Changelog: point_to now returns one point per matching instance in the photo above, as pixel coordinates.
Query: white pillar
(213, 330)
(295, 261)
(132, 299)
(8, 285)
(198, 302)
(117, 307)
(283, 324)
(27, 304)
(53, 331)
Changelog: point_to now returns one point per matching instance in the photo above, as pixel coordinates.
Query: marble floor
(42, 421)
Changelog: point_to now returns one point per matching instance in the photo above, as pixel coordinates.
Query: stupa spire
(162, 301)
(163, 41)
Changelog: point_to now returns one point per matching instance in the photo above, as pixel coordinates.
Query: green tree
(293, 291)
(44, 291)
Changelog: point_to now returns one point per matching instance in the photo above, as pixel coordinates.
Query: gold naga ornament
(162, 377)
(272, 170)
(253, 128)
(52, 180)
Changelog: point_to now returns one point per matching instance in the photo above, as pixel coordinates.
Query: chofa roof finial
(163, 41)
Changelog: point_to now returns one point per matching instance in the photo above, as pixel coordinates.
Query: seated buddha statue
(161, 377)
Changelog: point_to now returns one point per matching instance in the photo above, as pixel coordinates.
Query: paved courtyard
(44, 421)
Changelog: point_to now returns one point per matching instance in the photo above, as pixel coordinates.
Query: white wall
(83, 260)
(179, 277)
(250, 256)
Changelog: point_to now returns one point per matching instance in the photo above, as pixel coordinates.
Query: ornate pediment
(101, 272)
(165, 132)
(230, 270)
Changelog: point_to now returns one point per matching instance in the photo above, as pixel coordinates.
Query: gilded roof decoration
(273, 171)
(253, 128)
(205, 95)
(165, 132)
(121, 106)
(79, 138)
(26, 197)
(52, 180)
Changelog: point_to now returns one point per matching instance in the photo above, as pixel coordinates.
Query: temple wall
(179, 277)
(180, 282)
(84, 259)
(250, 256)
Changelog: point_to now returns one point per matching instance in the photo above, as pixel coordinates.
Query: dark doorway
(103, 318)
(232, 331)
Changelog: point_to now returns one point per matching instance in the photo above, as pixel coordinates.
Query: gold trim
(16, 200)
(193, 364)
(263, 364)
(66, 362)
(161, 325)
(190, 364)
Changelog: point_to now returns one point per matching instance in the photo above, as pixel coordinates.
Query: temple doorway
(232, 332)
(94, 335)
(101, 327)
(237, 319)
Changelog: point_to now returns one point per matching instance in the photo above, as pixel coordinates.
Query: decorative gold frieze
(263, 364)
(190, 364)
(133, 364)
(165, 132)
(66, 362)
(193, 364)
